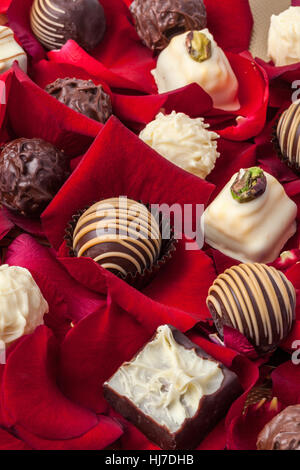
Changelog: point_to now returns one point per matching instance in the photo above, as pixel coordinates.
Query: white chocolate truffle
(10, 51)
(176, 68)
(22, 305)
(183, 141)
(252, 231)
(284, 37)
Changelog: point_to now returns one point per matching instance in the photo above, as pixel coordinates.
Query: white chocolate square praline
(254, 231)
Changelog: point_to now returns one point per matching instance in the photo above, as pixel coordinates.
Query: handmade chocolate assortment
(157, 21)
(31, 173)
(120, 234)
(172, 390)
(54, 22)
(195, 57)
(255, 299)
(252, 218)
(283, 432)
(82, 96)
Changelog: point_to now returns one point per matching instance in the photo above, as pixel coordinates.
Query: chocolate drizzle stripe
(281, 295)
(118, 254)
(227, 300)
(292, 299)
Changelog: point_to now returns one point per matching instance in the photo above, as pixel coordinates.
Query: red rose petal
(286, 383)
(31, 395)
(6, 225)
(243, 430)
(99, 437)
(4, 5)
(9, 442)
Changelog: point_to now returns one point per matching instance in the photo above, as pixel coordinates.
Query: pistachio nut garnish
(198, 46)
(249, 184)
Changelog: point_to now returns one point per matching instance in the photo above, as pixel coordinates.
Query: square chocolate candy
(172, 390)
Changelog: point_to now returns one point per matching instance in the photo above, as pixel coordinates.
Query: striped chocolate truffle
(288, 135)
(257, 300)
(54, 22)
(120, 234)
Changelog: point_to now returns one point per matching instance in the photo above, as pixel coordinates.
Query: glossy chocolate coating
(157, 21)
(211, 407)
(31, 173)
(54, 22)
(106, 232)
(288, 135)
(283, 432)
(82, 96)
(257, 300)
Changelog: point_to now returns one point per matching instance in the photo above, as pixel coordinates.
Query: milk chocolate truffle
(120, 234)
(284, 37)
(82, 96)
(195, 57)
(186, 142)
(31, 173)
(283, 432)
(10, 51)
(54, 22)
(255, 299)
(22, 305)
(157, 21)
(288, 136)
(252, 218)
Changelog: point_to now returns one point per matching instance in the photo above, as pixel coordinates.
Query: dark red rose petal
(9, 442)
(286, 383)
(4, 5)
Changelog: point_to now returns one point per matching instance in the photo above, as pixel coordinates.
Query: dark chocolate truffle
(288, 135)
(82, 96)
(257, 300)
(120, 234)
(54, 22)
(283, 432)
(31, 173)
(157, 21)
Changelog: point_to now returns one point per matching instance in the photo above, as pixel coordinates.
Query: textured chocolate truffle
(82, 96)
(120, 234)
(157, 21)
(257, 300)
(288, 135)
(54, 22)
(283, 432)
(31, 173)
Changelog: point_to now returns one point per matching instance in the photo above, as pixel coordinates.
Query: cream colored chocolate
(284, 37)
(252, 231)
(256, 299)
(22, 305)
(120, 234)
(176, 68)
(183, 141)
(10, 51)
(166, 381)
(288, 134)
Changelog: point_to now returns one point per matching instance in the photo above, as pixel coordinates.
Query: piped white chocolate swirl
(288, 134)
(257, 300)
(120, 234)
(10, 51)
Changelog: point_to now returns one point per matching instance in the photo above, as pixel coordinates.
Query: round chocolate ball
(54, 22)
(82, 96)
(157, 21)
(288, 136)
(120, 234)
(257, 300)
(283, 432)
(31, 173)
